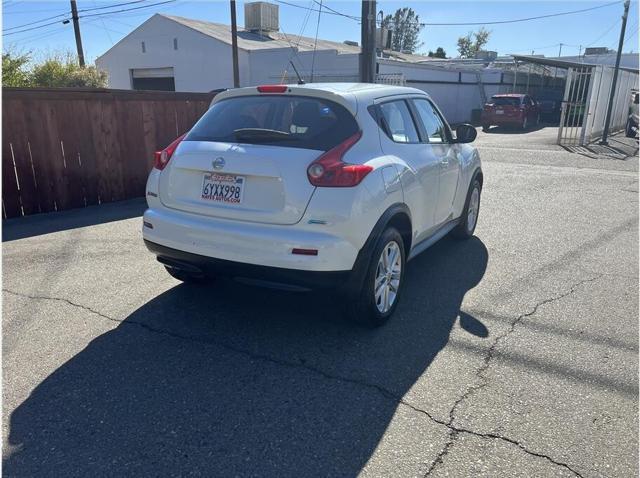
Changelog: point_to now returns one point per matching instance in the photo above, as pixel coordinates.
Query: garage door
(153, 79)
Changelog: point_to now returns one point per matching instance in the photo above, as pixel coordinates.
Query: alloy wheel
(474, 206)
(388, 276)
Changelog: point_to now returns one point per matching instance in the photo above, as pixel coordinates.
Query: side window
(433, 124)
(399, 124)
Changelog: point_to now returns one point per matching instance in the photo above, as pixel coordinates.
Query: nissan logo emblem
(218, 163)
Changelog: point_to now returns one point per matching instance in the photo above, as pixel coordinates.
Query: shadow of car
(234, 380)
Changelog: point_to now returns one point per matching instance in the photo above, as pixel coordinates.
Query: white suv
(319, 185)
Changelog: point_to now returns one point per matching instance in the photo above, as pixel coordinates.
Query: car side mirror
(465, 133)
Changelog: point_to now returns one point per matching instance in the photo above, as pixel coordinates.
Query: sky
(106, 26)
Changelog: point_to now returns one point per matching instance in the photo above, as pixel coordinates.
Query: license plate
(224, 188)
(499, 112)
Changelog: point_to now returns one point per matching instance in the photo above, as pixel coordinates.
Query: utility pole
(607, 121)
(555, 73)
(234, 45)
(368, 42)
(76, 30)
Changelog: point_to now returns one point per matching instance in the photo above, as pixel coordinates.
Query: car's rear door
(400, 138)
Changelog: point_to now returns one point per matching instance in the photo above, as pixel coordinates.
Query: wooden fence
(69, 148)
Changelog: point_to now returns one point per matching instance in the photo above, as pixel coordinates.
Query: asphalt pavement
(514, 353)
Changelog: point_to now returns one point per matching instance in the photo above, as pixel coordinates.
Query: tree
(63, 71)
(406, 30)
(14, 69)
(57, 70)
(439, 53)
(472, 43)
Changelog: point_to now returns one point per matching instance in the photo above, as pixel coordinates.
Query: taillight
(272, 88)
(161, 158)
(330, 171)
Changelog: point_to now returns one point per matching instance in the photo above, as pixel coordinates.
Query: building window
(144, 49)
(175, 43)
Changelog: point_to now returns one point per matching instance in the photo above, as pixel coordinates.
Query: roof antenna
(300, 80)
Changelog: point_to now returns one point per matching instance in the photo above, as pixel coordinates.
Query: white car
(319, 185)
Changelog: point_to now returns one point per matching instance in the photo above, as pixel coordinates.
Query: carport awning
(538, 60)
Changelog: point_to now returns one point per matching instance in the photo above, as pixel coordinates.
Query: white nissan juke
(319, 185)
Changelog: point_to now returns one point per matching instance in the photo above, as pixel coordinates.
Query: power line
(631, 34)
(518, 20)
(604, 34)
(37, 21)
(327, 11)
(62, 20)
(67, 13)
(497, 22)
(103, 26)
(35, 28)
(128, 9)
(300, 33)
(110, 6)
(31, 12)
(40, 35)
(357, 19)
(315, 42)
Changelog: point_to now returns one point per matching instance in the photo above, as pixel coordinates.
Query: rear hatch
(247, 157)
(503, 106)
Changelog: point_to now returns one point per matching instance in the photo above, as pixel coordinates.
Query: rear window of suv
(505, 101)
(278, 120)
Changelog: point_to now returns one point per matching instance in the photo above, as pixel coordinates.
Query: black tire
(187, 277)
(361, 303)
(628, 130)
(464, 230)
(525, 124)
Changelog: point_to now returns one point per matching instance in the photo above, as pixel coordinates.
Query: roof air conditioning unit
(261, 17)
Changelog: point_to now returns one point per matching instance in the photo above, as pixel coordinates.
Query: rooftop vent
(261, 17)
(486, 55)
(598, 50)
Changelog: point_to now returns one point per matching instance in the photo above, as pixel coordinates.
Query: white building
(175, 53)
(181, 54)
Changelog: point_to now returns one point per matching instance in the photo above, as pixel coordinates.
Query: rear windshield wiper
(262, 134)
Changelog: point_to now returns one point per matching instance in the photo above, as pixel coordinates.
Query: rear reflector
(272, 88)
(305, 252)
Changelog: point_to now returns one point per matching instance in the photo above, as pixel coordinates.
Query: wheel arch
(397, 215)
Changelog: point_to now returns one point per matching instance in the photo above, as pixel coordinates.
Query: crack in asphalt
(454, 431)
(480, 372)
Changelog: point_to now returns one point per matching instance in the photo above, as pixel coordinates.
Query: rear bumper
(218, 267)
(498, 119)
(249, 243)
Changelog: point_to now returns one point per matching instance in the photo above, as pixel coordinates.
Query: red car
(510, 110)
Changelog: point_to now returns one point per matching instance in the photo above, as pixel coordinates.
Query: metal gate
(586, 98)
(573, 118)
